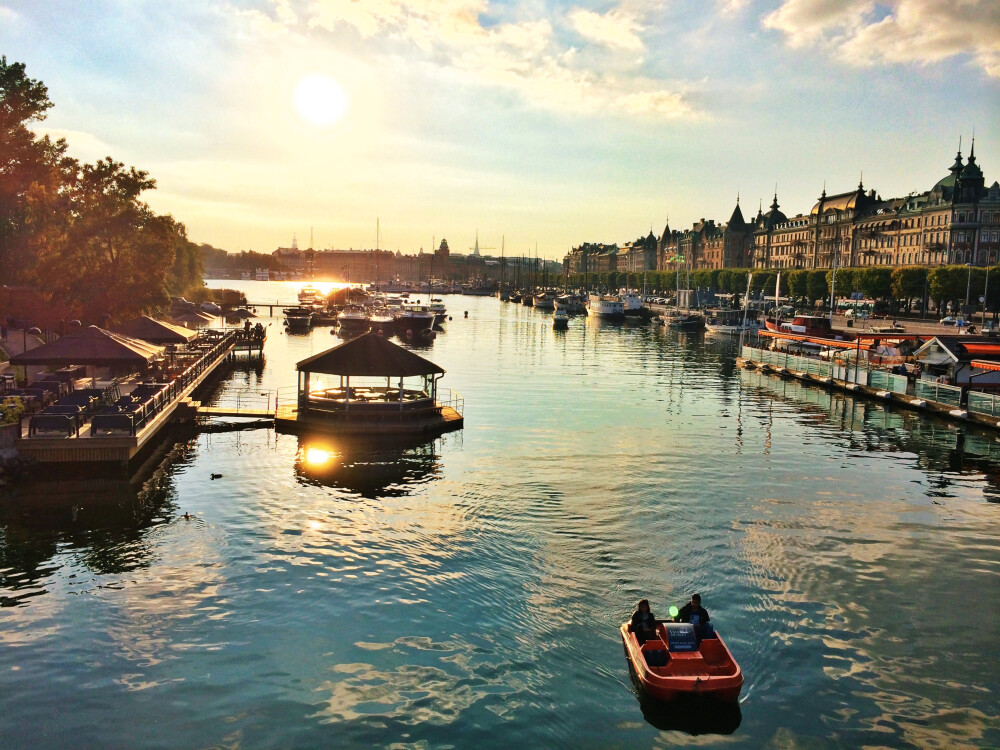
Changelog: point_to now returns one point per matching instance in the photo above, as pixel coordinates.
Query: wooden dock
(435, 422)
(223, 411)
(122, 449)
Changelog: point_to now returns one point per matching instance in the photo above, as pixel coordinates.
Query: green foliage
(80, 232)
(798, 283)
(908, 282)
(817, 286)
(11, 409)
(219, 260)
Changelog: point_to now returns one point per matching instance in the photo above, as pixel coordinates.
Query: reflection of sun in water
(317, 456)
(320, 100)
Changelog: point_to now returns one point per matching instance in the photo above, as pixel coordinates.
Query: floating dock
(122, 449)
(931, 398)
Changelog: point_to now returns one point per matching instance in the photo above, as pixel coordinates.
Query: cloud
(615, 29)
(519, 48)
(864, 33)
(80, 144)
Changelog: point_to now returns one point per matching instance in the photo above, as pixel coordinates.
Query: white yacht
(606, 306)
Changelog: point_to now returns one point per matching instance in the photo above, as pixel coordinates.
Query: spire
(972, 149)
(774, 203)
(957, 166)
(861, 182)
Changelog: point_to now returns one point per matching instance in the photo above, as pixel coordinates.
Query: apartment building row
(956, 221)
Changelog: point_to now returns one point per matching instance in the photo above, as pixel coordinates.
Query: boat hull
(710, 672)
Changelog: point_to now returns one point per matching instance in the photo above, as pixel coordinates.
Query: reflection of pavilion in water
(941, 448)
(372, 468)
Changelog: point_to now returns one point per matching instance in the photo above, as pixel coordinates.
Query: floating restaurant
(370, 386)
(106, 396)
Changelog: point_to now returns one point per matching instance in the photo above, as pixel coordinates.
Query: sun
(320, 100)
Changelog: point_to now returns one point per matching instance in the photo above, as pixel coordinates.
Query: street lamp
(968, 286)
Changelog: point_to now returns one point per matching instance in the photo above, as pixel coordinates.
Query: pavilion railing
(448, 397)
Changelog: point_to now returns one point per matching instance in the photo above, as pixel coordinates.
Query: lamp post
(986, 288)
(968, 286)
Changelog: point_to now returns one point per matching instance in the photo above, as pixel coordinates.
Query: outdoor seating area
(55, 406)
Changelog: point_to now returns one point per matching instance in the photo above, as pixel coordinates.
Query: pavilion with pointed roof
(369, 385)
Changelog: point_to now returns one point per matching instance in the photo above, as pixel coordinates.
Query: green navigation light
(674, 611)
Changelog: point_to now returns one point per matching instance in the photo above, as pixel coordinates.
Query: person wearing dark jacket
(697, 615)
(643, 622)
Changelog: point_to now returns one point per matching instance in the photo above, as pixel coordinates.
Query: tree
(875, 282)
(33, 173)
(115, 255)
(798, 283)
(947, 284)
(908, 283)
(816, 286)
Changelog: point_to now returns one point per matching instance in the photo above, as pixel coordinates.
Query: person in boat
(697, 615)
(643, 622)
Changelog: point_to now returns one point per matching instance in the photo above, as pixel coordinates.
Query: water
(468, 591)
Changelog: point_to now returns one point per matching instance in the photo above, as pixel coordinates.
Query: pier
(945, 401)
(119, 438)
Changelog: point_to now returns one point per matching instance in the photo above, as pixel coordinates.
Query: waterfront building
(708, 245)
(956, 221)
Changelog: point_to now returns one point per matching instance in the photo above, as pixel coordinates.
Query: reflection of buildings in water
(372, 468)
(941, 448)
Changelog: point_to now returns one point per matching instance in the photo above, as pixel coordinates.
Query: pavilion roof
(91, 346)
(155, 331)
(369, 355)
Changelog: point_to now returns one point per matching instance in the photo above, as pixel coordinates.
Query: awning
(986, 365)
(993, 349)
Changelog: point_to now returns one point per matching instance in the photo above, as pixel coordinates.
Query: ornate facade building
(956, 221)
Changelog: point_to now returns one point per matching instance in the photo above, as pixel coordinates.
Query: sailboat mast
(746, 304)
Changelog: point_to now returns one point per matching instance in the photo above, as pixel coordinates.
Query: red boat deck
(711, 670)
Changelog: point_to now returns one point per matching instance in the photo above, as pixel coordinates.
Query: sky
(543, 123)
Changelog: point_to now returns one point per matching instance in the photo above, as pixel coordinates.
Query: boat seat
(655, 657)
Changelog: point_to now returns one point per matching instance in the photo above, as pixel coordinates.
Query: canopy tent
(194, 318)
(155, 331)
(369, 355)
(242, 313)
(91, 346)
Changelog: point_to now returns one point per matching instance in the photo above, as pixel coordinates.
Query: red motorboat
(676, 663)
(804, 325)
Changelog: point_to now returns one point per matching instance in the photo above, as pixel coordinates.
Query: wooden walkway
(225, 411)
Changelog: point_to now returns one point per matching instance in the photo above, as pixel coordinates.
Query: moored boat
(545, 301)
(685, 321)
(606, 306)
(414, 317)
(354, 319)
(730, 322)
(675, 664)
(298, 319)
(806, 325)
(560, 319)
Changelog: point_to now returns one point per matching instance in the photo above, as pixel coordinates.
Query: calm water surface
(468, 591)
